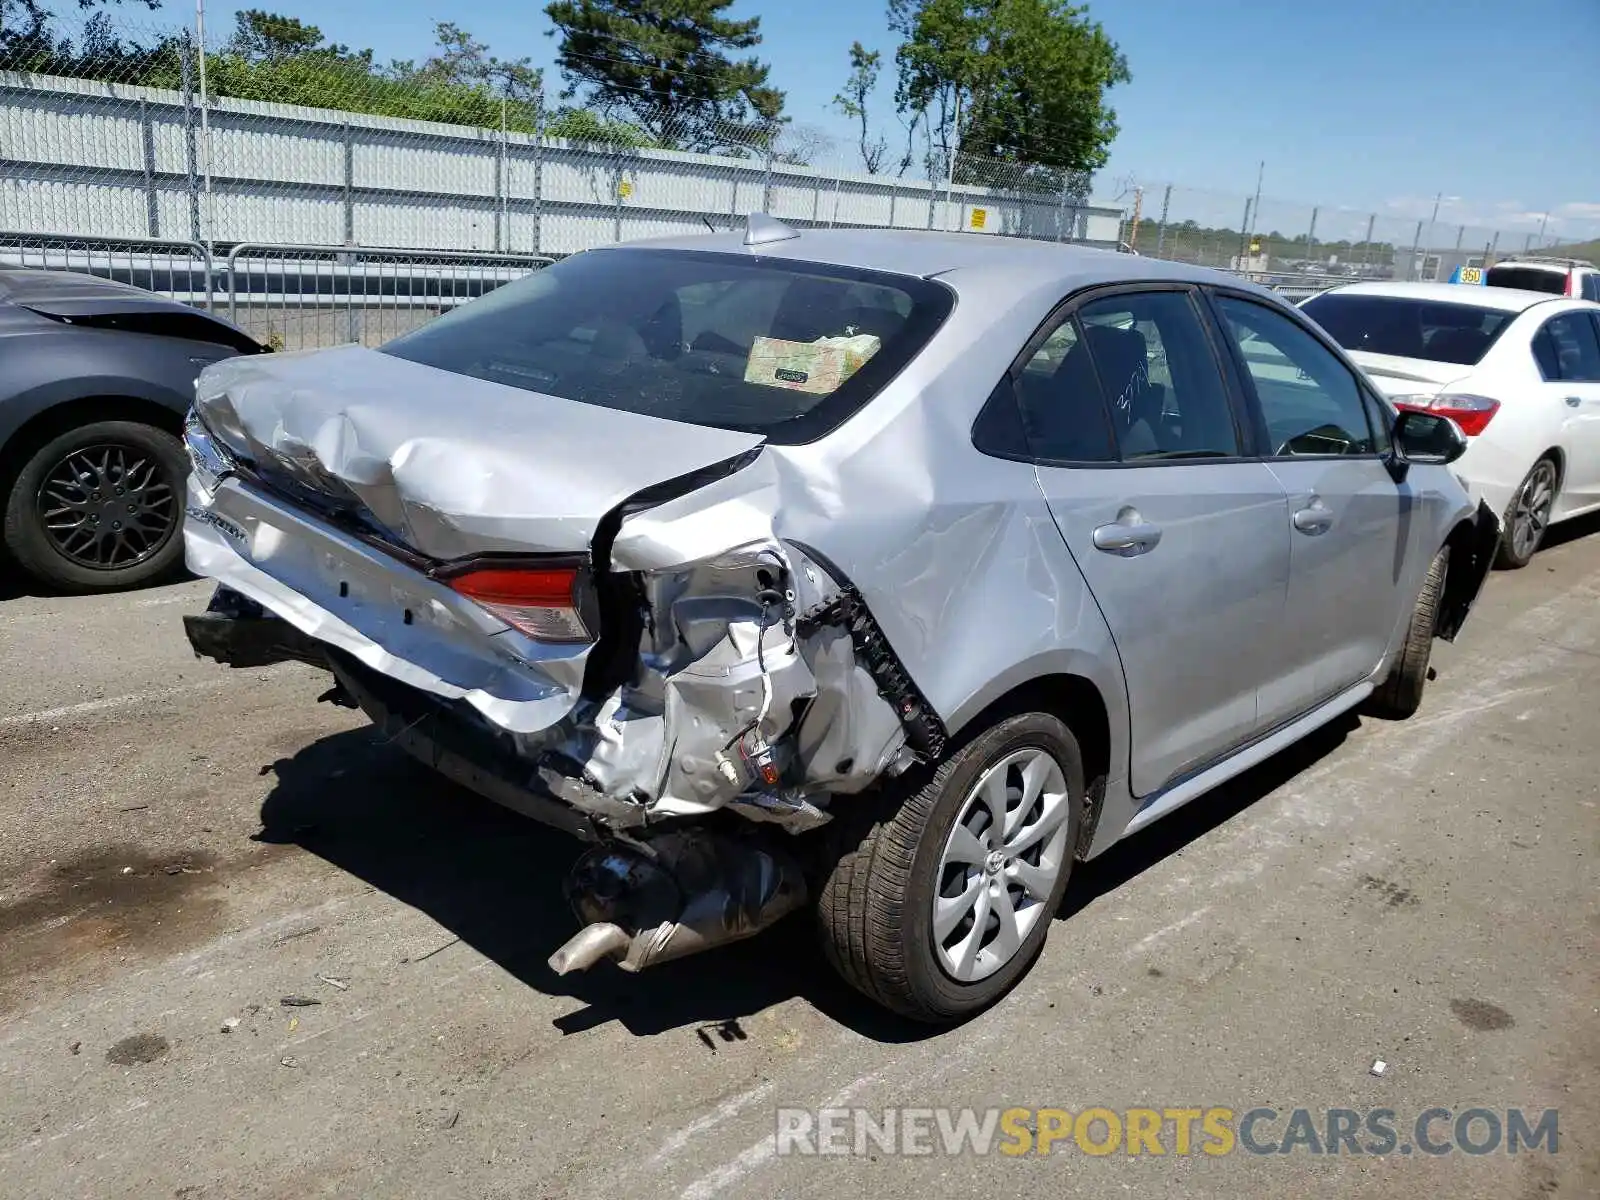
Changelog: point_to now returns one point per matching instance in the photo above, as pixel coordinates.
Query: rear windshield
(1528, 279)
(788, 350)
(1431, 330)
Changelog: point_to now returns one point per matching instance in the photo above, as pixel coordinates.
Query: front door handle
(1127, 538)
(1314, 519)
(1574, 401)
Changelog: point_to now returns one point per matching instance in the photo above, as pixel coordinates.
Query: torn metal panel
(849, 736)
(449, 464)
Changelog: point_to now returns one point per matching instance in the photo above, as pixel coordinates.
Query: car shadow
(14, 585)
(1132, 856)
(494, 880)
(1570, 531)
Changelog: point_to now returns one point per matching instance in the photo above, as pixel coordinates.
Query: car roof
(1504, 299)
(969, 261)
(1559, 265)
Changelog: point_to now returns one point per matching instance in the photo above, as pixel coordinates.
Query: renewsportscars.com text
(1212, 1131)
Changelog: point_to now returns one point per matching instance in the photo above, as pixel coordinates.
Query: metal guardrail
(298, 296)
(173, 267)
(303, 295)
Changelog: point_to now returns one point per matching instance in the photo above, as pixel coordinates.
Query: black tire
(874, 905)
(1509, 557)
(157, 466)
(1400, 694)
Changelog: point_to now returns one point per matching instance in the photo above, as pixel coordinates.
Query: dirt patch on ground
(117, 903)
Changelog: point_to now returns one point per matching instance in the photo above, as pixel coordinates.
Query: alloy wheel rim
(1531, 514)
(1000, 863)
(107, 507)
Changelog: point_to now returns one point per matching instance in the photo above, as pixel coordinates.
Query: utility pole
(950, 170)
(1543, 221)
(1255, 208)
(205, 121)
(1433, 218)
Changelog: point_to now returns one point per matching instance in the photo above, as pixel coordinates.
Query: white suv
(1559, 276)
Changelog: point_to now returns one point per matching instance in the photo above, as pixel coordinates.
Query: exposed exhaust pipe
(675, 895)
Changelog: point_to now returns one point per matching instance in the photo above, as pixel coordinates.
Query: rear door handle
(1574, 401)
(1314, 519)
(1127, 538)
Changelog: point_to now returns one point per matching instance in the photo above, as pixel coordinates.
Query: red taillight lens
(1572, 284)
(1472, 413)
(541, 602)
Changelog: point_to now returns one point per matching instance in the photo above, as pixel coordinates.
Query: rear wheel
(944, 901)
(99, 508)
(1400, 694)
(1528, 516)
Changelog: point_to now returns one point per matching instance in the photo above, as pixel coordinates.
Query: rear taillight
(1572, 284)
(1472, 413)
(542, 602)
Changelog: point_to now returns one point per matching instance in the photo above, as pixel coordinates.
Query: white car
(1519, 371)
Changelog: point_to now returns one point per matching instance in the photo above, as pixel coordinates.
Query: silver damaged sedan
(891, 573)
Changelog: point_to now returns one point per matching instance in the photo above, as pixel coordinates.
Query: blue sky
(1371, 106)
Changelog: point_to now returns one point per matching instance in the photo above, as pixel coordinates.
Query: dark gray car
(95, 378)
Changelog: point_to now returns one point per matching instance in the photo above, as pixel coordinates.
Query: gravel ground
(182, 847)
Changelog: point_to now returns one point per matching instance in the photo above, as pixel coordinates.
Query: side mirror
(1425, 437)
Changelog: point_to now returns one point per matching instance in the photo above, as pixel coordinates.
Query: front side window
(1567, 350)
(785, 349)
(1310, 401)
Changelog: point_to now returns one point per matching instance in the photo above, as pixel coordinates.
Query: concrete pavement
(182, 847)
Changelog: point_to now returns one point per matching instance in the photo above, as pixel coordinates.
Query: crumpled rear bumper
(238, 632)
(335, 590)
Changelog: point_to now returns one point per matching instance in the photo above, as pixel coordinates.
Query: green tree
(29, 41)
(865, 66)
(284, 60)
(1016, 88)
(262, 37)
(665, 67)
(460, 60)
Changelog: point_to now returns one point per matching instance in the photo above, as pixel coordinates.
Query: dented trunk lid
(447, 464)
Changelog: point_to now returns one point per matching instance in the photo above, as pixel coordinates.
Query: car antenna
(761, 229)
(709, 225)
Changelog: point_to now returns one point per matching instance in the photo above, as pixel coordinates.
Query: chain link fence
(1301, 246)
(151, 137)
(118, 130)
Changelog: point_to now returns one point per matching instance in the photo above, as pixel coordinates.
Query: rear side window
(788, 350)
(1159, 377)
(1429, 330)
(1528, 279)
(1567, 349)
(1130, 378)
(1064, 415)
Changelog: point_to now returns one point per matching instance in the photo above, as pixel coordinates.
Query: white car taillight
(1472, 413)
(540, 602)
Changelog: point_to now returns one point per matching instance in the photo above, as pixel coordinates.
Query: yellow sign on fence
(979, 216)
(625, 189)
